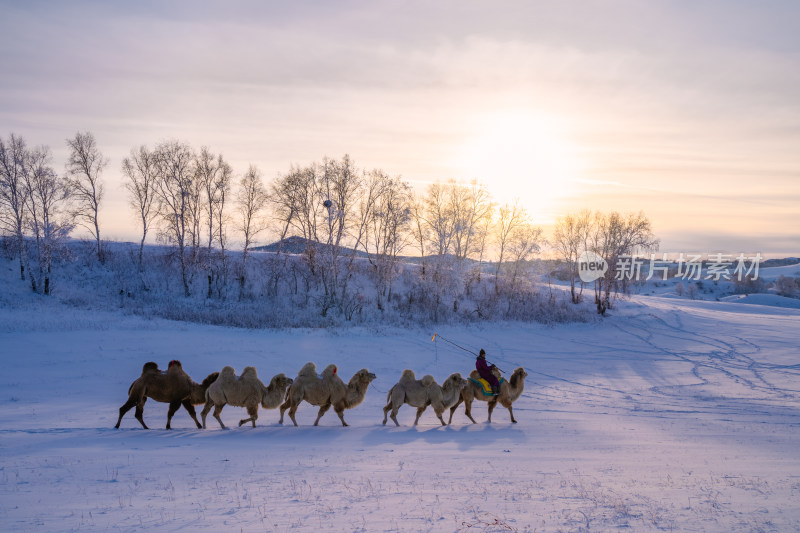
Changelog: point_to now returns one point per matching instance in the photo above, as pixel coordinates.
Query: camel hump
(408, 375)
(474, 374)
(211, 378)
(227, 373)
(150, 367)
(309, 369)
(329, 371)
(427, 380)
(249, 372)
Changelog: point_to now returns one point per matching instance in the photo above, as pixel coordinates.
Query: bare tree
(613, 236)
(84, 167)
(510, 218)
(251, 199)
(175, 195)
(570, 238)
(13, 192)
(439, 218)
(47, 193)
(212, 176)
(141, 172)
(385, 231)
(525, 240)
(470, 207)
(420, 229)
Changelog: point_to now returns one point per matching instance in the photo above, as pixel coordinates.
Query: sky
(688, 111)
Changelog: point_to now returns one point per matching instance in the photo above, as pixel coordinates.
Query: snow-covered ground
(668, 415)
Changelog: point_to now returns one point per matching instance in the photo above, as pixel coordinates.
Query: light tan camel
(244, 391)
(422, 393)
(510, 391)
(174, 387)
(326, 391)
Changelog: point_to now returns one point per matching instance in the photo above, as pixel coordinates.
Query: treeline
(473, 253)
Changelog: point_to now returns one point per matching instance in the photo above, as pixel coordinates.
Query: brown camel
(245, 391)
(422, 393)
(174, 387)
(326, 391)
(510, 391)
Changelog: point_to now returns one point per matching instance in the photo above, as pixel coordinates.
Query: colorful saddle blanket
(487, 389)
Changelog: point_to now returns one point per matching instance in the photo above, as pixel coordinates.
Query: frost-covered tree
(175, 195)
(570, 240)
(213, 176)
(50, 224)
(13, 192)
(85, 165)
(141, 174)
(612, 236)
(386, 228)
(251, 199)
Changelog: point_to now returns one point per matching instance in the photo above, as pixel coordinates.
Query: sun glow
(521, 155)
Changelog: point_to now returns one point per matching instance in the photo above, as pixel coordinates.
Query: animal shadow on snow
(466, 437)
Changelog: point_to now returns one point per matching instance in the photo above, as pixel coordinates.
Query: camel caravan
(325, 390)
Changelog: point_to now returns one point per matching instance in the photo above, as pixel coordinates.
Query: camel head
(363, 376)
(457, 381)
(518, 374)
(281, 381)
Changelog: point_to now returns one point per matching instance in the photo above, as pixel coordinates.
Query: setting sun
(521, 155)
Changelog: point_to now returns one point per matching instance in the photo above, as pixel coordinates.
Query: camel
(174, 387)
(326, 391)
(510, 391)
(422, 393)
(245, 391)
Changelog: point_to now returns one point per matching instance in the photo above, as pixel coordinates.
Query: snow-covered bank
(668, 415)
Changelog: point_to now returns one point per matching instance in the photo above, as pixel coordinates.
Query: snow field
(669, 415)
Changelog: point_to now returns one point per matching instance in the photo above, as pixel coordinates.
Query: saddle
(485, 387)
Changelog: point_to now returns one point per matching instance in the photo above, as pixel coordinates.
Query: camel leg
(187, 404)
(420, 410)
(453, 409)
(511, 412)
(322, 411)
(292, 411)
(439, 415)
(206, 409)
(341, 416)
(217, 412)
(284, 406)
(394, 414)
(492, 404)
(128, 406)
(173, 408)
(385, 412)
(140, 411)
(253, 412)
(468, 410)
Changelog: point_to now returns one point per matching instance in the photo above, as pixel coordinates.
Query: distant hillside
(298, 245)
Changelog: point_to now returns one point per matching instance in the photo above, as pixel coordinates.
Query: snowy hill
(764, 299)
